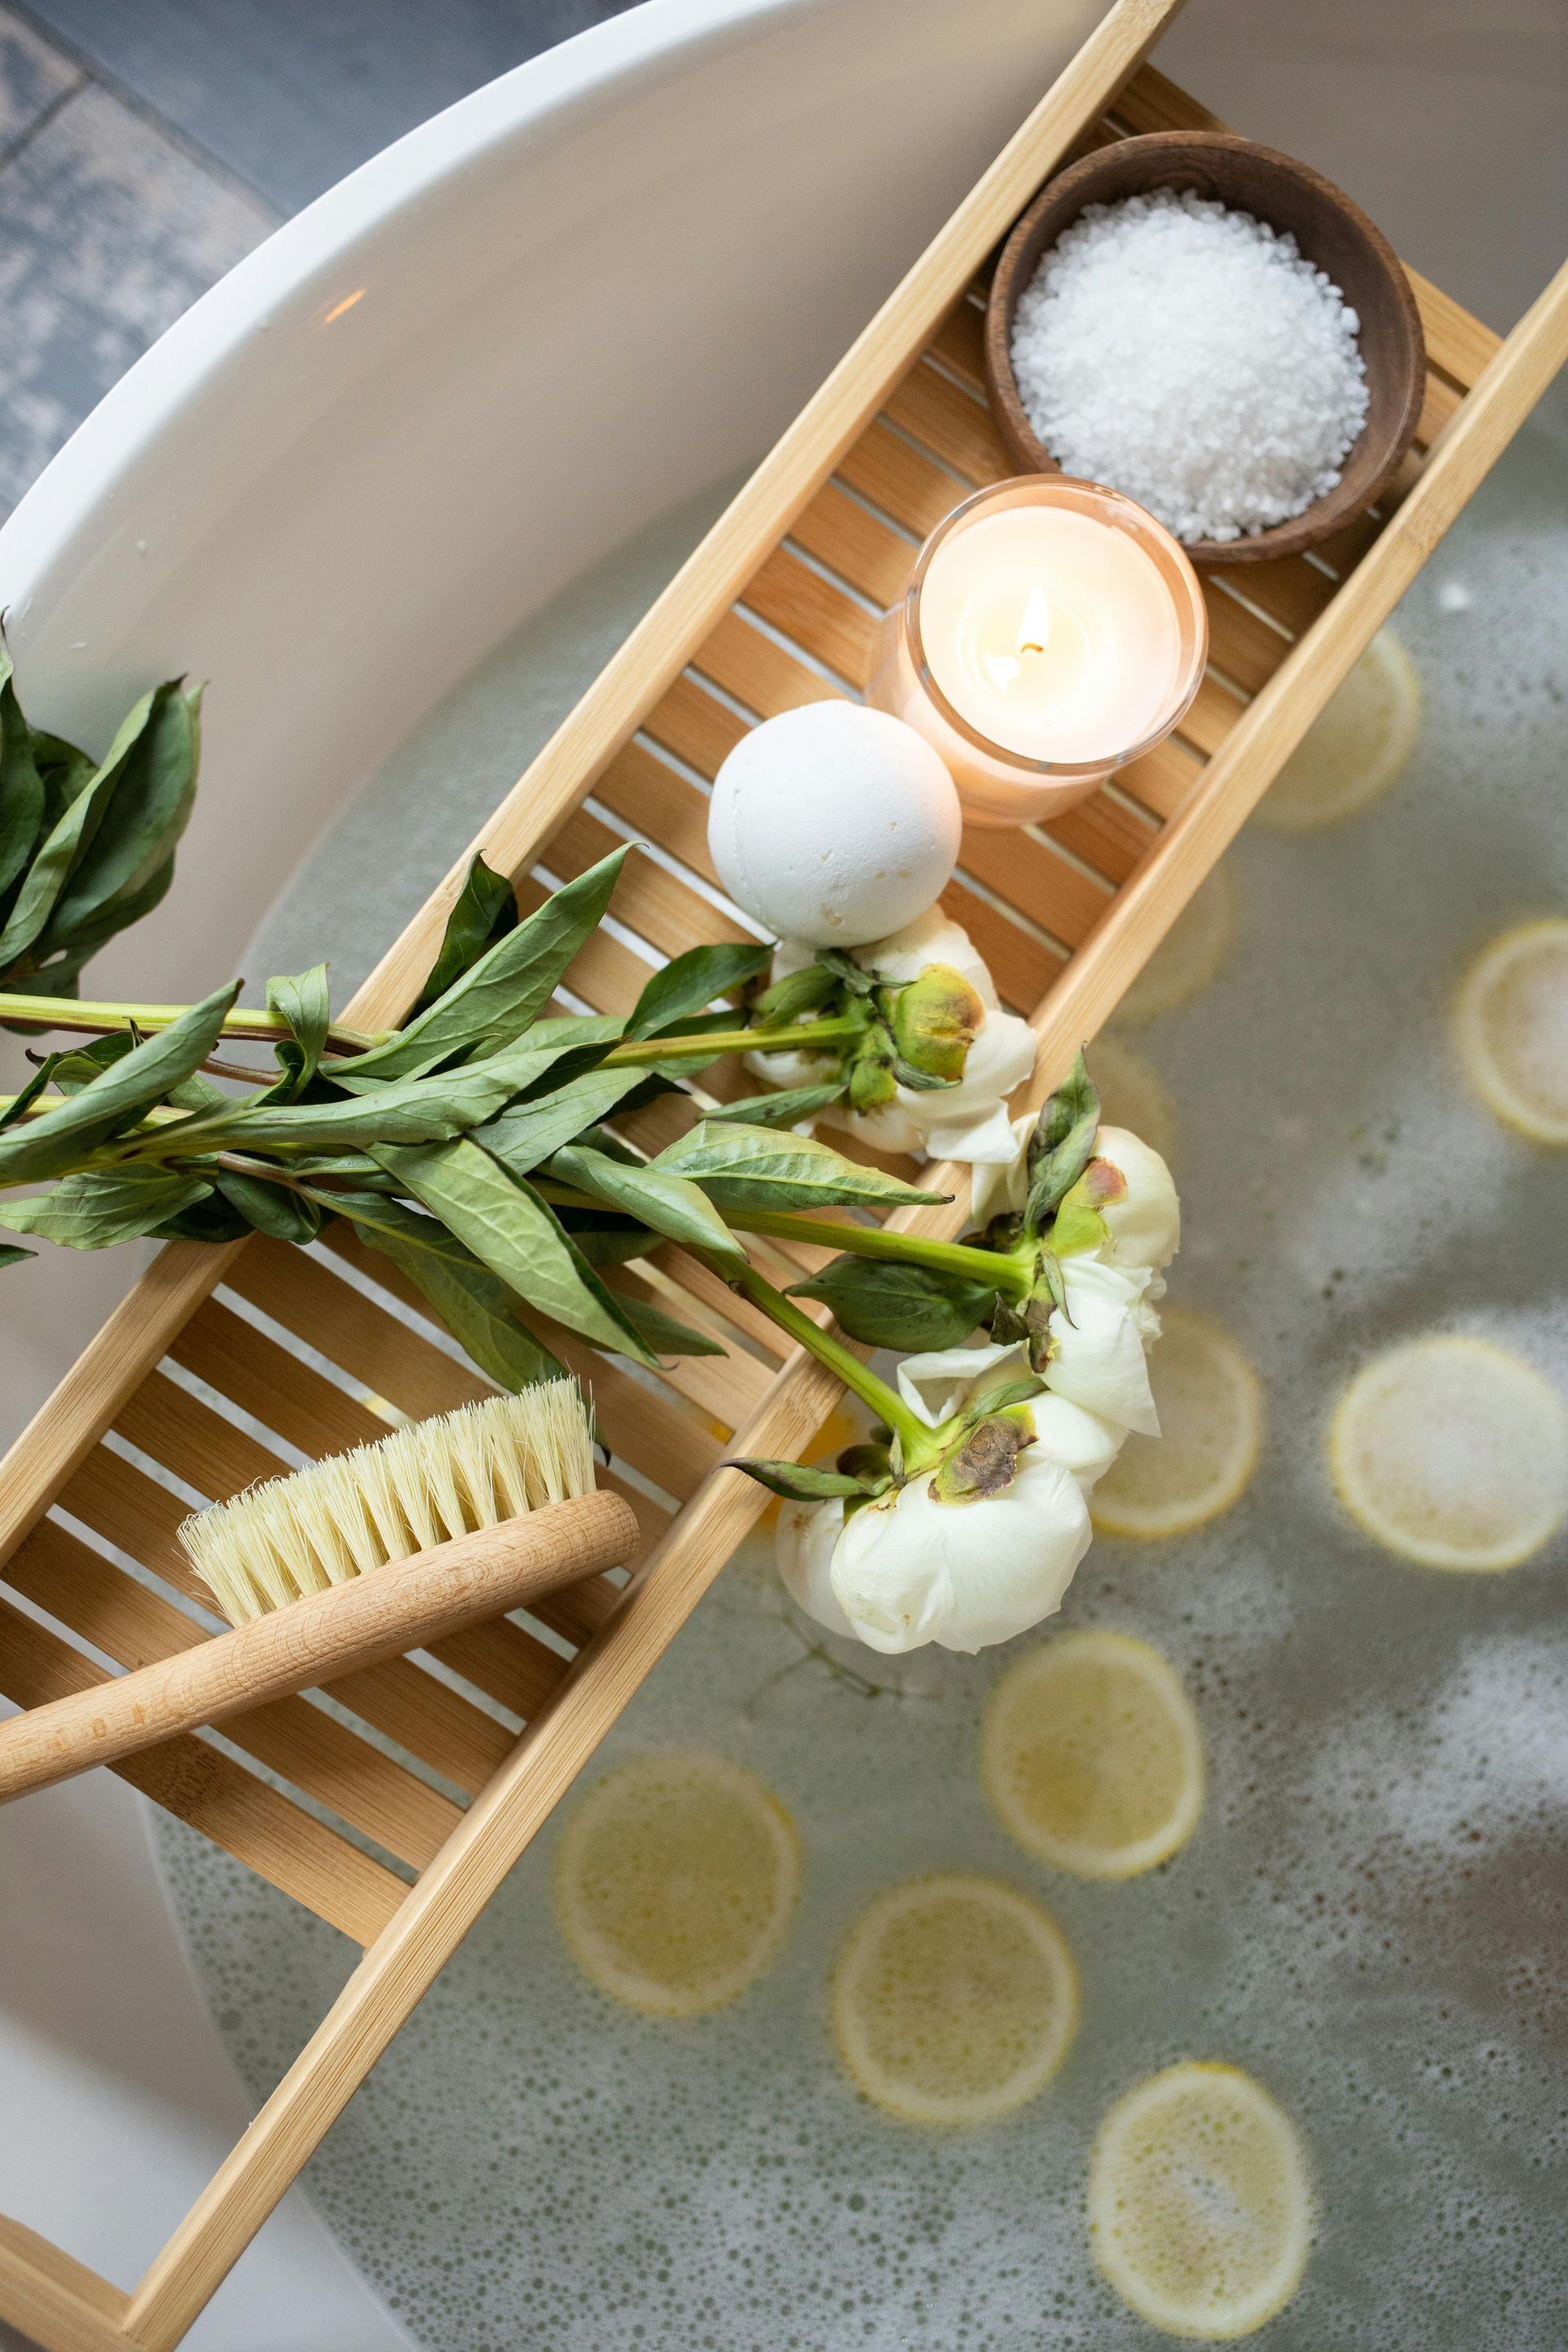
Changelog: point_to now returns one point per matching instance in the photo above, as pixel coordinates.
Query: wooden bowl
(1330, 231)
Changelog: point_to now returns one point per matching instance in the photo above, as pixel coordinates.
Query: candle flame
(1035, 625)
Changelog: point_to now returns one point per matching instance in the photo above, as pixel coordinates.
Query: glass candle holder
(1052, 631)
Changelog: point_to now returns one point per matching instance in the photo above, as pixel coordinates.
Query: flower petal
(802, 1551)
(1097, 1358)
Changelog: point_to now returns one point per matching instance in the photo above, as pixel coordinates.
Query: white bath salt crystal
(1188, 356)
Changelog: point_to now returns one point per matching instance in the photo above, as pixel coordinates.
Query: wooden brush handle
(375, 1616)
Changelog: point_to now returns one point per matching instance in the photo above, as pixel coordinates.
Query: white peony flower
(803, 1547)
(965, 1121)
(908, 1570)
(1142, 1216)
(1097, 1358)
(937, 1384)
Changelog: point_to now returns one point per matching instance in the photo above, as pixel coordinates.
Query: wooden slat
(814, 614)
(643, 789)
(858, 545)
(1032, 874)
(694, 725)
(196, 1782)
(956, 428)
(651, 1431)
(55, 2299)
(959, 344)
(744, 663)
(903, 482)
(185, 1435)
(649, 899)
(1437, 405)
(299, 1291)
(309, 1748)
(1455, 343)
(1022, 966)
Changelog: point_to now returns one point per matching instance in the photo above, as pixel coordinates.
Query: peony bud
(1124, 1202)
(935, 1021)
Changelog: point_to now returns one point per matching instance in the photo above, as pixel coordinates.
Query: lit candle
(1052, 632)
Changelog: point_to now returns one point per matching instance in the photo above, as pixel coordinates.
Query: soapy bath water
(1373, 1916)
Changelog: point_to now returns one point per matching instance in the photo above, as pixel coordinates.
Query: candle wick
(1036, 627)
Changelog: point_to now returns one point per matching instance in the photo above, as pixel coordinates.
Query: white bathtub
(398, 427)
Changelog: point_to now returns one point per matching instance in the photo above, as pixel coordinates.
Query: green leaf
(22, 798)
(527, 1133)
(847, 972)
(662, 1333)
(672, 1205)
(406, 1110)
(21, 1104)
(97, 1207)
(484, 912)
(796, 994)
(118, 832)
(780, 1109)
(274, 1209)
(755, 1168)
(692, 980)
(500, 996)
(908, 1308)
(11, 1256)
(604, 1238)
(79, 1065)
(303, 1000)
(211, 1222)
(58, 975)
(503, 1221)
(48, 1144)
(66, 770)
(1062, 1144)
(796, 1482)
(480, 1311)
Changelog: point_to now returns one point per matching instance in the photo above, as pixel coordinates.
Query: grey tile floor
(145, 145)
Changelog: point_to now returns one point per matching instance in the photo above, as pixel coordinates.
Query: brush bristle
(422, 1485)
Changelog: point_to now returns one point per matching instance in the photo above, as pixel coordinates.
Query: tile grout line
(92, 71)
(45, 115)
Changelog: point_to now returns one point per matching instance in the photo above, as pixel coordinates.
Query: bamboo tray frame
(400, 1839)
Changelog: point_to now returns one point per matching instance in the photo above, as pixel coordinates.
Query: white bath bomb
(834, 824)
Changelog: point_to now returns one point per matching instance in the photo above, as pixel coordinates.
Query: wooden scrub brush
(366, 1555)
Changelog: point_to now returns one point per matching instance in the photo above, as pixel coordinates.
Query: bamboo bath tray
(401, 1839)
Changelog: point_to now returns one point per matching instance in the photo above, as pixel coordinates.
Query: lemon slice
(1200, 2210)
(954, 2001)
(1354, 748)
(1453, 1453)
(1133, 1095)
(1512, 1025)
(1091, 1755)
(1192, 953)
(1211, 1419)
(674, 1881)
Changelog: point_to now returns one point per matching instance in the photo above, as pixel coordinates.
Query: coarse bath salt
(1190, 357)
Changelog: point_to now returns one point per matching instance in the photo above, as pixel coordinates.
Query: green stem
(809, 1036)
(75, 1012)
(1002, 1273)
(915, 1440)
